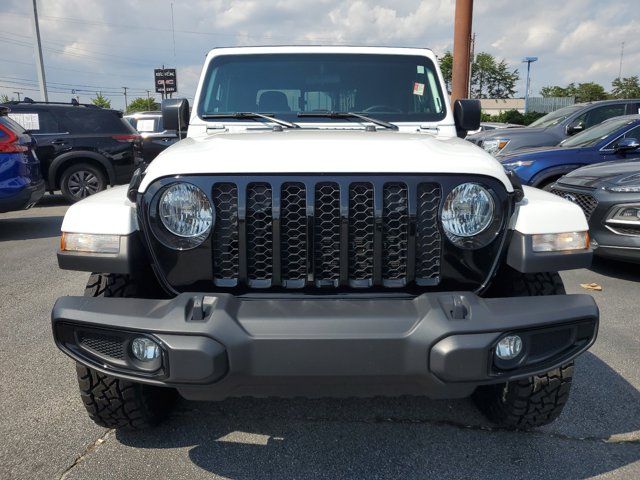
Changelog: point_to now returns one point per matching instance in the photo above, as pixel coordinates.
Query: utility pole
(126, 104)
(528, 61)
(621, 57)
(173, 32)
(148, 99)
(18, 93)
(471, 58)
(42, 81)
(461, 49)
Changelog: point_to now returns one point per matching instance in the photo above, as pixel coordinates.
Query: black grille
(428, 241)
(293, 244)
(585, 201)
(259, 234)
(225, 235)
(308, 232)
(107, 345)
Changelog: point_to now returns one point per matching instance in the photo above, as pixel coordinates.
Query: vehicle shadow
(53, 200)
(406, 437)
(29, 228)
(616, 269)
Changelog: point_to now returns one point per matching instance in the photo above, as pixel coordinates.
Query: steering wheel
(381, 109)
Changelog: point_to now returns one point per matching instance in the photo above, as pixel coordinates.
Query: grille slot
(106, 345)
(361, 225)
(428, 240)
(585, 201)
(293, 237)
(259, 235)
(395, 233)
(225, 235)
(326, 235)
(307, 232)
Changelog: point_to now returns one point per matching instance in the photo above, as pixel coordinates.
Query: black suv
(82, 148)
(155, 138)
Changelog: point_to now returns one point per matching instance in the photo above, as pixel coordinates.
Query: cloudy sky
(103, 45)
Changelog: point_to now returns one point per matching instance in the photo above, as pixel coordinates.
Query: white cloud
(118, 43)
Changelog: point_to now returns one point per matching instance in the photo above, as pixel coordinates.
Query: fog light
(145, 349)
(509, 347)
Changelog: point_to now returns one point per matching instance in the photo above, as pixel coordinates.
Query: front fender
(551, 172)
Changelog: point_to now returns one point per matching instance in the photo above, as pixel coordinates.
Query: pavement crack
(87, 451)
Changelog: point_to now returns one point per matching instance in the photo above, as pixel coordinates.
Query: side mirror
(466, 114)
(175, 114)
(627, 145)
(575, 127)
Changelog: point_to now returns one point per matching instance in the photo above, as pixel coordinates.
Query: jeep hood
(322, 151)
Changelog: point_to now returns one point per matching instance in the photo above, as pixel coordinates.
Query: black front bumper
(437, 344)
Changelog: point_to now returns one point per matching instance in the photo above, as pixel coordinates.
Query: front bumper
(437, 344)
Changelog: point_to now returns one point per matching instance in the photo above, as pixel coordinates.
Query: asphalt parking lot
(45, 432)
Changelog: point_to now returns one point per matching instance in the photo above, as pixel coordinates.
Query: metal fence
(549, 104)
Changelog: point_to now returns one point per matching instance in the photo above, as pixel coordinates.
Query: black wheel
(112, 402)
(81, 180)
(536, 400)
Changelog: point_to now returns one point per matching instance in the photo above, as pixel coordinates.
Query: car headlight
(519, 163)
(186, 215)
(625, 189)
(495, 145)
(468, 211)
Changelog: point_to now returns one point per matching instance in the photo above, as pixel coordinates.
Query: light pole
(528, 61)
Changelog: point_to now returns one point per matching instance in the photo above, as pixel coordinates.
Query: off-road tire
(536, 400)
(98, 181)
(112, 402)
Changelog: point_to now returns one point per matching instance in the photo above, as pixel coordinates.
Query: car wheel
(82, 180)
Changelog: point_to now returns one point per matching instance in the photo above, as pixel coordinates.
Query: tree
(489, 78)
(4, 98)
(628, 87)
(101, 101)
(583, 92)
(142, 104)
(446, 65)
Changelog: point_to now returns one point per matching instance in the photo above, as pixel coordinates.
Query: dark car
(154, 136)
(613, 139)
(82, 148)
(21, 183)
(609, 194)
(554, 127)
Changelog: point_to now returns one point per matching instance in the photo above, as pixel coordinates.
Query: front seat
(273, 101)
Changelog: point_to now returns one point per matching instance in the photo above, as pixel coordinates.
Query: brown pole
(461, 49)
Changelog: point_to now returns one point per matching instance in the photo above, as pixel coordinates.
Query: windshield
(556, 117)
(592, 136)
(389, 87)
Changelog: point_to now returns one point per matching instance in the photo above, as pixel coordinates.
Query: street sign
(166, 80)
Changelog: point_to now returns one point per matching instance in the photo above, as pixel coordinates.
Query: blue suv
(612, 139)
(21, 183)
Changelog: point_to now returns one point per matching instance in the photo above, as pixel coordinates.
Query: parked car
(613, 139)
(307, 250)
(609, 195)
(21, 183)
(82, 148)
(487, 126)
(554, 127)
(154, 137)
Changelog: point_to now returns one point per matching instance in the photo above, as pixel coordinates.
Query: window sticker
(418, 89)
(420, 68)
(145, 125)
(28, 121)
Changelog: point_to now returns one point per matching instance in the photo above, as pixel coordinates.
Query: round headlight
(468, 211)
(185, 211)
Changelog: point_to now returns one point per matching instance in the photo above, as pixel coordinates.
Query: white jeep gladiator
(324, 231)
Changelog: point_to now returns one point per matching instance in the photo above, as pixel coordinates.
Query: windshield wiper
(328, 114)
(251, 115)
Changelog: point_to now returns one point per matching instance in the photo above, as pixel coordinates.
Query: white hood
(323, 151)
